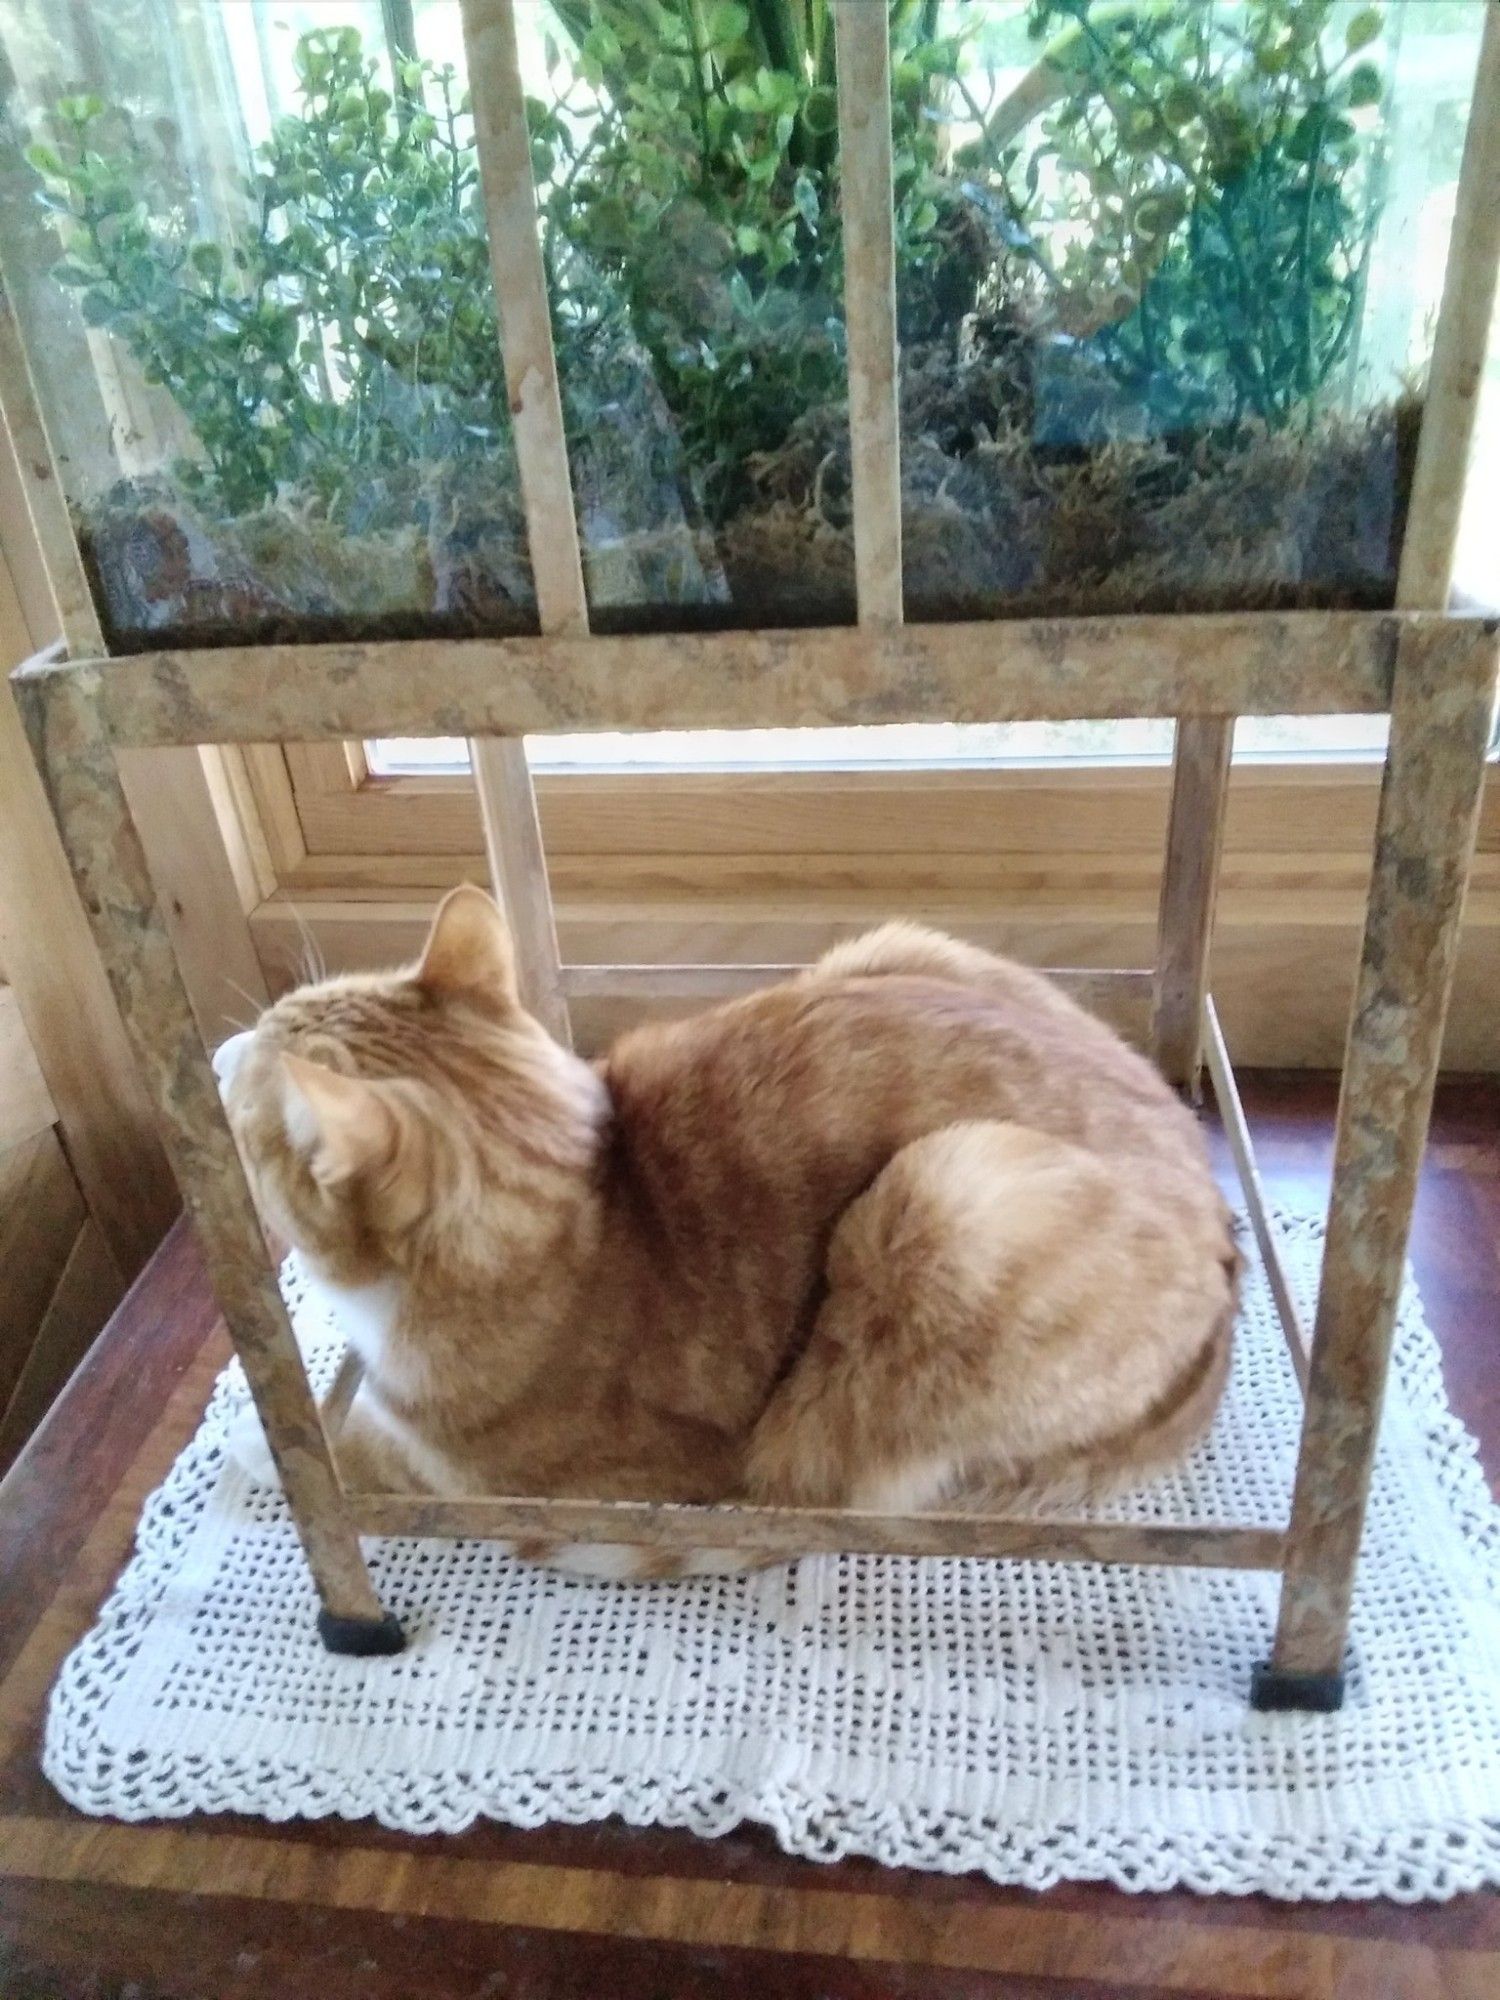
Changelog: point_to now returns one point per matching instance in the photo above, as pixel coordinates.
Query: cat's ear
(344, 1127)
(468, 954)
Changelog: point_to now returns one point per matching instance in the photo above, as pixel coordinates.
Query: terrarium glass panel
(686, 157)
(1166, 276)
(1167, 271)
(247, 250)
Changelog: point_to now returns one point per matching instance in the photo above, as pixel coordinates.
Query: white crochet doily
(1033, 1721)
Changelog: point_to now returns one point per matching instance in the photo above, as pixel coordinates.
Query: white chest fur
(365, 1314)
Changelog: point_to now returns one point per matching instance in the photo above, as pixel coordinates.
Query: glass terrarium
(1165, 275)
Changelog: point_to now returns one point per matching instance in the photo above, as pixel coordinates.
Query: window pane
(803, 749)
(899, 746)
(688, 177)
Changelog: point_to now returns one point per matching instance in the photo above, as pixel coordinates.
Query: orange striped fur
(909, 1229)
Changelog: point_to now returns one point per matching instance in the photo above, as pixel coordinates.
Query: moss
(1002, 520)
(446, 553)
(1006, 513)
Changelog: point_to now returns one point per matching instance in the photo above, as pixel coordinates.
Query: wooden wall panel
(88, 1290)
(1282, 968)
(1273, 809)
(26, 1106)
(41, 1213)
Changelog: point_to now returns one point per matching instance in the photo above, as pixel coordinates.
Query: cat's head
(386, 1117)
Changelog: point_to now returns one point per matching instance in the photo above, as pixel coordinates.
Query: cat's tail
(1119, 1461)
(1075, 1475)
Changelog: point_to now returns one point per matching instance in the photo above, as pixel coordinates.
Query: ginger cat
(909, 1229)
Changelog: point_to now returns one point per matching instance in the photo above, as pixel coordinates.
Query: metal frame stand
(1434, 674)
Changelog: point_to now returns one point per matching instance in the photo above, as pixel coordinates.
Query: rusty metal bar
(65, 720)
(1189, 885)
(502, 775)
(1268, 663)
(1237, 1132)
(795, 1531)
(867, 202)
(1424, 842)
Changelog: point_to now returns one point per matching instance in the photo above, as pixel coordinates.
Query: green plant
(349, 323)
(687, 165)
(702, 200)
(1189, 186)
(1198, 197)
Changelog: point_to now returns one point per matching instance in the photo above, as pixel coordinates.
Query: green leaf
(1159, 214)
(727, 22)
(1307, 134)
(98, 307)
(46, 161)
(1180, 105)
(603, 45)
(207, 259)
(820, 110)
(1363, 29)
(80, 110)
(68, 271)
(1365, 85)
(1140, 131)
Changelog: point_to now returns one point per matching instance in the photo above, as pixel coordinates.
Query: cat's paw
(247, 1448)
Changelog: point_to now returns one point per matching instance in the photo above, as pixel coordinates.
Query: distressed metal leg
(72, 749)
(1424, 841)
(862, 38)
(512, 840)
(1189, 884)
(518, 873)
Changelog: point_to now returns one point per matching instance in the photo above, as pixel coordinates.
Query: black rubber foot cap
(1318, 1694)
(364, 1638)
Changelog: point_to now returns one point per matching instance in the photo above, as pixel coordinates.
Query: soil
(1031, 487)
(1008, 512)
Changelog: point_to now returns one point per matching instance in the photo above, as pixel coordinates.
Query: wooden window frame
(1058, 863)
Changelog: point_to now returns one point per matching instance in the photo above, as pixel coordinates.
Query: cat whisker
(246, 995)
(313, 964)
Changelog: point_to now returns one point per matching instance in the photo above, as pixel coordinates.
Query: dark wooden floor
(225, 1909)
